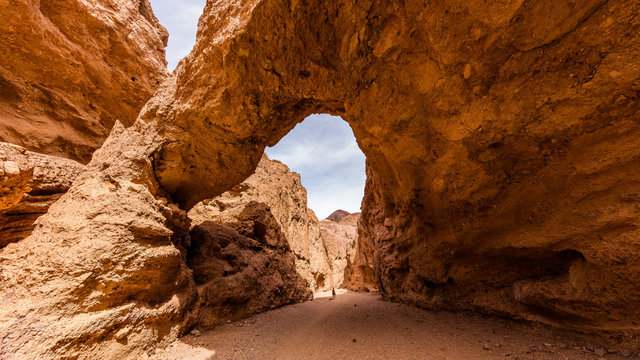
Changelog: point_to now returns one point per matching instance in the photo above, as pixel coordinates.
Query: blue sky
(181, 19)
(322, 149)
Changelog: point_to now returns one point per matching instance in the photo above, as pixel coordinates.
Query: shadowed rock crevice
(242, 268)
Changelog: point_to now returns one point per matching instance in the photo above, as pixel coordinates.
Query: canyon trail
(362, 326)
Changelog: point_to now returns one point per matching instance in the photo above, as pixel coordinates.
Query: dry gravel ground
(362, 326)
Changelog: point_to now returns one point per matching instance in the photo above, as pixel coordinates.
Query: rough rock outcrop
(243, 267)
(29, 184)
(338, 233)
(95, 279)
(70, 68)
(275, 185)
(495, 134)
(502, 142)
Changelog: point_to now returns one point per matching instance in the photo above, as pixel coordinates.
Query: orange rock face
(338, 233)
(500, 140)
(274, 185)
(502, 151)
(70, 68)
(29, 184)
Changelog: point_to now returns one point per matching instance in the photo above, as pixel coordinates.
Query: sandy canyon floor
(362, 326)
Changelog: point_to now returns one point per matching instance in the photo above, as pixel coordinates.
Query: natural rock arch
(501, 141)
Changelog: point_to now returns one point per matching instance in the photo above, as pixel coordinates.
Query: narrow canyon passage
(362, 326)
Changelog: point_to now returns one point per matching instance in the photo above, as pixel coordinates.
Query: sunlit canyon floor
(362, 326)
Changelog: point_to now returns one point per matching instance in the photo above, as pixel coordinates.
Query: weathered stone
(101, 275)
(243, 267)
(33, 182)
(70, 68)
(513, 191)
(339, 240)
(275, 185)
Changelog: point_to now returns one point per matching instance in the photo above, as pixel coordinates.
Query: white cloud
(324, 151)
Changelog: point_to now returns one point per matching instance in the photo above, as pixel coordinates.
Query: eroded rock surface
(495, 134)
(502, 152)
(109, 283)
(275, 185)
(243, 267)
(70, 68)
(29, 184)
(338, 233)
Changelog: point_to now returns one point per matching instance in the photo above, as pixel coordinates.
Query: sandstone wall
(276, 186)
(29, 184)
(496, 134)
(70, 68)
(95, 279)
(338, 233)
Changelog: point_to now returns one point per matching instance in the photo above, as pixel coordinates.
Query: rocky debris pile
(242, 268)
(29, 184)
(70, 68)
(276, 186)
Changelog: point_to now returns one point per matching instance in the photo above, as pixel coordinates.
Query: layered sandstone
(281, 190)
(501, 143)
(70, 68)
(29, 184)
(242, 267)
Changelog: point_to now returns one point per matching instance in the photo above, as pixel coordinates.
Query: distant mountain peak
(338, 215)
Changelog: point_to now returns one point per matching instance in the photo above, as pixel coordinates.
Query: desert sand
(362, 326)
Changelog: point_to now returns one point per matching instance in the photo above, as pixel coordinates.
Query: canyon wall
(338, 233)
(29, 184)
(501, 142)
(281, 190)
(242, 267)
(70, 68)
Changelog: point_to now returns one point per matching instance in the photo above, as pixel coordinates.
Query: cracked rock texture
(101, 275)
(502, 153)
(29, 184)
(70, 68)
(281, 190)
